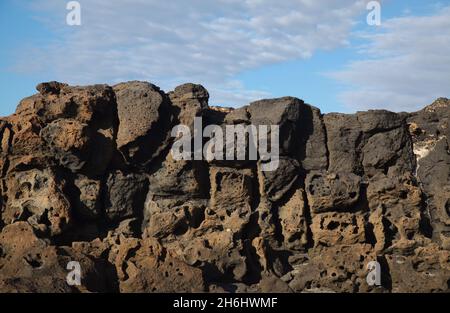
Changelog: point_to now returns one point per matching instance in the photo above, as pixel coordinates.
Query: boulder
(313, 152)
(144, 117)
(189, 101)
(125, 195)
(344, 138)
(180, 178)
(276, 184)
(283, 112)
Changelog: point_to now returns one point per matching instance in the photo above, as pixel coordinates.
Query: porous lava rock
(87, 175)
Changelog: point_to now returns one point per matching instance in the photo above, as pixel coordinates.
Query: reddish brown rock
(29, 265)
(38, 197)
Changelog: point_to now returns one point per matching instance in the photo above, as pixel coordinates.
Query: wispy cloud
(405, 64)
(177, 41)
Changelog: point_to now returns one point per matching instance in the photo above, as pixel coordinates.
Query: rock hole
(403, 194)
(34, 261)
(332, 225)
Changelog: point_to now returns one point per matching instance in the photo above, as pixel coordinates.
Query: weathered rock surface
(144, 117)
(124, 195)
(332, 191)
(87, 176)
(31, 264)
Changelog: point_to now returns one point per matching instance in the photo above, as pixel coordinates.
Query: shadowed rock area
(86, 175)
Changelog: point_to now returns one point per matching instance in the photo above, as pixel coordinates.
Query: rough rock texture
(86, 175)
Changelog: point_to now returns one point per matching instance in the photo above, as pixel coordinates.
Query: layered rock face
(86, 175)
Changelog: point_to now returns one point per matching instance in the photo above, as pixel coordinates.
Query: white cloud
(177, 41)
(406, 65)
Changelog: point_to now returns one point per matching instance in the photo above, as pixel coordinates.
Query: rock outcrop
(87, 176)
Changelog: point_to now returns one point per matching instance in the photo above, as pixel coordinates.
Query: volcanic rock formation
(86, 175)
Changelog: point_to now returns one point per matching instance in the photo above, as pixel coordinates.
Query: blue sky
(321, 51)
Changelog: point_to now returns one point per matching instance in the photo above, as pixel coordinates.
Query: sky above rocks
(322, 51)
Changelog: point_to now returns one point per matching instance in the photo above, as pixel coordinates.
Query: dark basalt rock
(144, 117)
(430, 135)
(278, 182)
(125, 195)
(86, 175)
(284, 112)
